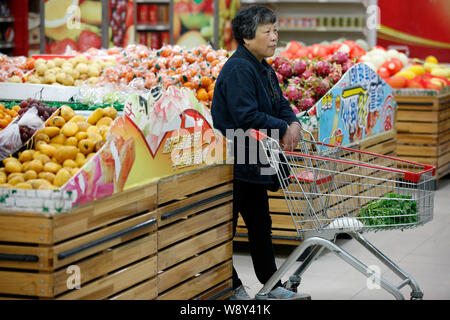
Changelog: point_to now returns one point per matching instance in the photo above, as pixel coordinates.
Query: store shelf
(323, 29)
(304, 1)
(153, 1)
(6, 19)
(156, 27)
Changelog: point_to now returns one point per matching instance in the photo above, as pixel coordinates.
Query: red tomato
(319, 50)
(383, 72)
(394, 65)
(302, 52)
(334, 46)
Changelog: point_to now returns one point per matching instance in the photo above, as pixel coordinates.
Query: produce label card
(359, 106)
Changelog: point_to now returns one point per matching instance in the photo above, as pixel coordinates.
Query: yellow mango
(80, 159)
(66, 112)
(82, 126)
(81, 135)
(57, 121)
(47, 149)
(95, 116)
(86, 146)
(2, 177)
(52, 167)
(69, 129)
(23, 185)
(62, 177)
(35, 165)
(110, 112)
(59, 139)
(49, 176)
(66, 152)
(78, 118)
(50, 131)
(104, 121)
(26, 155)
(94, 136)
(30, 174)
(69, 163)
(42, 137)
(13, 166)
(71, 141)
(92, 129)
(16, 179)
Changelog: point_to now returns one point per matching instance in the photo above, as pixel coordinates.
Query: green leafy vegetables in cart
(392, 209)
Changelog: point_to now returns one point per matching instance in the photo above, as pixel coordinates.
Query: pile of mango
(59, 150)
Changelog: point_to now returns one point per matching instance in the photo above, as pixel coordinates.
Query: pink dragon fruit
(278, 62)
(347, 65)
(322, 68)
(321, 87)
(308, 73)
(305, 103)
(339, 57)
(285, 70)
(293, 93)
(279, 77)
(300, 66)
(295, 81)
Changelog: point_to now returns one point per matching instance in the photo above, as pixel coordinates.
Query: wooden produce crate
(195, 235)
(107, 248)
(283, 229)
(423, 130)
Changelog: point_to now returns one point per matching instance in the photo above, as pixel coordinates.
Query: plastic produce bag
(18, 132)
(31, 119)
(10, 140)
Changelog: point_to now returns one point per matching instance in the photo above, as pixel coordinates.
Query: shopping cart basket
(331, 190)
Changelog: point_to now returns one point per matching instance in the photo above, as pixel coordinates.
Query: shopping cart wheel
(416, 295)
(293, 283)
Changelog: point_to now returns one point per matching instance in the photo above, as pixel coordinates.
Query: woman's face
(264, 43)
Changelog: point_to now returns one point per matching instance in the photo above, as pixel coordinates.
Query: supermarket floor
(422, 252)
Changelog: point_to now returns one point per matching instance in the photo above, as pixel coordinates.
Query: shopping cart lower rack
(331, 190)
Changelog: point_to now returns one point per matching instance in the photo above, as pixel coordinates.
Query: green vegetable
(393, 209)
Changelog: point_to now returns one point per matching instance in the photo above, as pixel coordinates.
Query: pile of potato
(68, 72)
(61, 148)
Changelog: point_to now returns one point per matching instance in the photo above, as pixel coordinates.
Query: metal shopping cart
(331, 190)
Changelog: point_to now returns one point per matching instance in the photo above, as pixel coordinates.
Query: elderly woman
(247, 96)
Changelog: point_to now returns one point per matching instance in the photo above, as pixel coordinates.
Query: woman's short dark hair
(247, 20)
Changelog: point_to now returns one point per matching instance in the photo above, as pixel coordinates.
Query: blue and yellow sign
(360, 105)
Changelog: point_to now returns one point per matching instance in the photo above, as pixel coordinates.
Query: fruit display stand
(358, 112)
(119, 230)
(423, 127)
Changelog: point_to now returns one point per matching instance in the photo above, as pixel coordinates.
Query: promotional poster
(360, 105)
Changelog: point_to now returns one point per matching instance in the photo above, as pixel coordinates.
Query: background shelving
(312, 21)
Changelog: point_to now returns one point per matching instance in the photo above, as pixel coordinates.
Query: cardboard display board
(359, 106)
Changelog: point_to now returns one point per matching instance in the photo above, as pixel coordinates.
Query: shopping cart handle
(258, 135)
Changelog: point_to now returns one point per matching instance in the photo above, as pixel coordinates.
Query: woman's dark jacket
(247, 96)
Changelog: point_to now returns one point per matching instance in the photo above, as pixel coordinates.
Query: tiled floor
(422, 252)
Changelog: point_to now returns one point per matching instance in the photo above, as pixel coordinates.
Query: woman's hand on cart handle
(291, 137)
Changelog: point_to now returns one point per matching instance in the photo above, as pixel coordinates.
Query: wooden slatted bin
(423, 130)
(105, 249)
(195, 234)
(283, 228)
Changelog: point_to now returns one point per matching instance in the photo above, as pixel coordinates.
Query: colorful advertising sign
(227, 11)
(72, 24)
(158, 137)
(121, 23)
(360, 105)
(193, 22)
